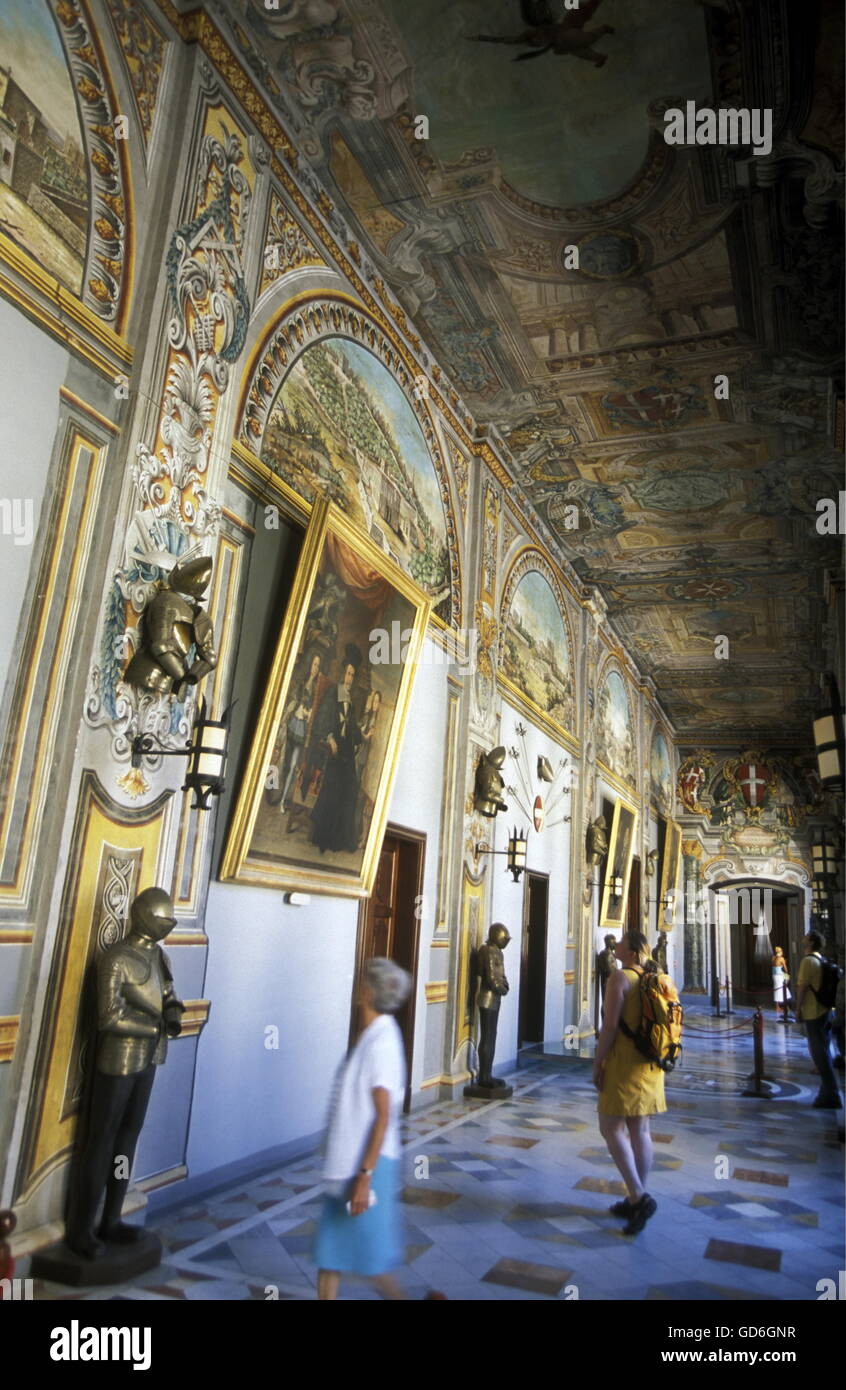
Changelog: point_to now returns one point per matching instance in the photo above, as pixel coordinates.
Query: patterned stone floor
(509, 1200)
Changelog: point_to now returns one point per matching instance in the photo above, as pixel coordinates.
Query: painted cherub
(545, 34)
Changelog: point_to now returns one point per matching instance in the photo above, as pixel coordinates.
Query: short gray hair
(389, 983)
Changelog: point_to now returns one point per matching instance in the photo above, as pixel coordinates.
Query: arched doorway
(749, 918)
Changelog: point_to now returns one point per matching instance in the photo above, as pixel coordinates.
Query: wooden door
(389, 922)
(533, 959)
(633, 917)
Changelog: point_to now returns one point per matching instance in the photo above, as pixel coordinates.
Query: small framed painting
(312, 806)
(618, 865)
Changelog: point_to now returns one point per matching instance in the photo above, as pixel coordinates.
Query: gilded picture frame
(311, 809)
(670, 860)
(621, 846)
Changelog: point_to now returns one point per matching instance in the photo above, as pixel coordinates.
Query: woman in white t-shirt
(359, 1227)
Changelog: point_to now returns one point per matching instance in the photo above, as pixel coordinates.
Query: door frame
(418, 839)
(524, 955)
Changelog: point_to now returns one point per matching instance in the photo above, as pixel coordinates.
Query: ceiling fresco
(540, 116)
(696, 504)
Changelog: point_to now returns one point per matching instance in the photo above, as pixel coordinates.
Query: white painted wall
(548, 853)
(271, 965)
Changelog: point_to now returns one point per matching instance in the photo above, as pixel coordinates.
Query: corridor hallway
(515, 1202)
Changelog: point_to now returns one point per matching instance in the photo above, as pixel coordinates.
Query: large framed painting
(312, 805)
(669, 873)
(618, 865)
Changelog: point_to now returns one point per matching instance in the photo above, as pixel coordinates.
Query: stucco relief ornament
(206, 332)
(486, 658)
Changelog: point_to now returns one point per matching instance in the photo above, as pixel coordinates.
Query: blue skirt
(366, 1244)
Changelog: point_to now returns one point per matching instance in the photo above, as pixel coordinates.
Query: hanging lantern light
(515, 854)
(516, 861)
(207, 758)
(206, 753)
(828, 740)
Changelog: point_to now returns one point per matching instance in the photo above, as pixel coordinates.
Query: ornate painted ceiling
(696, 506)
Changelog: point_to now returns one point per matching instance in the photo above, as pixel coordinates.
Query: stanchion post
(758, 1088)
(729, 1009)
(715, 977)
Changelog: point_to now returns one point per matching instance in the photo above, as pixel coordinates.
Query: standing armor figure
(137, 1011)
(174, 623)
(492, 986)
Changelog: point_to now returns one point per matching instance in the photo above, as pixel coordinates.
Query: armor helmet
(151, 914)
(499, 935)
(191, 576)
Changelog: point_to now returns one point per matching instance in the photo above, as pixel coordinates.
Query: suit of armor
(174, 622)
(137, 1010)
(490, 969)
(134, 992)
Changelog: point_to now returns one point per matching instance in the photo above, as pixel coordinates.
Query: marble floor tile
(515, 1206)
(756, 1256)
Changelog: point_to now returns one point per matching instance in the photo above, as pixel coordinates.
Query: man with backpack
(814, 1001)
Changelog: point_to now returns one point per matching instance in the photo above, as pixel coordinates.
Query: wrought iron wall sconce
(516, 853)
(206, 752)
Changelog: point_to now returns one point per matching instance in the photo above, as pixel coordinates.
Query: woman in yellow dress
(630, 1088)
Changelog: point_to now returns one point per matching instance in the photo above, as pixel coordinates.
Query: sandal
(646, 1207)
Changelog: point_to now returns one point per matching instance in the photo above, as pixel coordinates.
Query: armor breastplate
(144, 984)
(136, 982)
(184, 635)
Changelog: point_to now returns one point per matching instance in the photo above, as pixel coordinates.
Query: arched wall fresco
(616, 741)
(330, 408)
(64, 179)
(661, 778)
(536, 648)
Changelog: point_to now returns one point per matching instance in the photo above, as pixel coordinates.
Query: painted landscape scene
(661, 772)
(43, 183)
(535, 654)
(614, 738)
(341, 427)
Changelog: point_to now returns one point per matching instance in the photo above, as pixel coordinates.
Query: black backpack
(830, 974)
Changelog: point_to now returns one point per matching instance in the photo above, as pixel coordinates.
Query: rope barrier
(718, 1032)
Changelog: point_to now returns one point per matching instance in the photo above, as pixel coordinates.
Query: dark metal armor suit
(174, 623)
(137, 1010)
(490, 968)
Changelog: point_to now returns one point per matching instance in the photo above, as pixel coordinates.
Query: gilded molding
(437, 991)
(79, 404)
(116, 353)
(108, 264)
(195, 1017)
(460, 1079)
(142, 48)
(286, 246)
(8, 1036)
(84, 466)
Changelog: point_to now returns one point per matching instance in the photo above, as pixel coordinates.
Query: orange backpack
(658, 1035)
